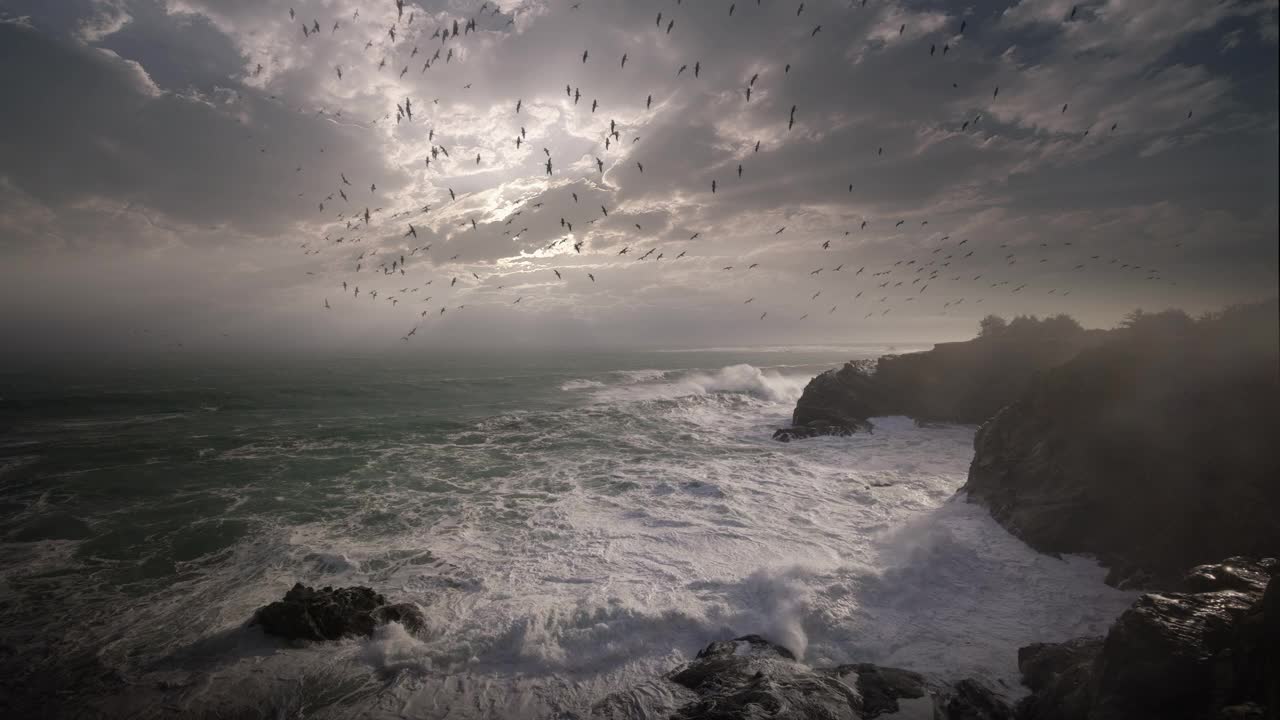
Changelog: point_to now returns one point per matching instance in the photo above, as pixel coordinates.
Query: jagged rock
(816, 428)
(1206, 652)
(1154, 451)
(973, 700)
(844, 397)
(1060, 676)
(1234, 573)
(883, 688)
(330, 614)
(750, 678)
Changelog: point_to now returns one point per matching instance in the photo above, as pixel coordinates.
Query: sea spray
(779, 601)
(568, 532)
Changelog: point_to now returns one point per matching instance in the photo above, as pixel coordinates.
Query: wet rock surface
(1210, 650)
(1154, 451)
(751, 678)
(816, 428)
(329, 613)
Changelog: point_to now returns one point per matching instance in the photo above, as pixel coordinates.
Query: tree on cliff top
(991, 326)
(1028, 326)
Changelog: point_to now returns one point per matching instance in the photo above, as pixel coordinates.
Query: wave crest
(768, 385)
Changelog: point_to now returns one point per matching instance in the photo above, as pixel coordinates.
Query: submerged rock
(750, 678)
(817, 428)
(330, 614)
(1210, 651)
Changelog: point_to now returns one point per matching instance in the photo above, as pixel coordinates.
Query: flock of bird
(393, 277)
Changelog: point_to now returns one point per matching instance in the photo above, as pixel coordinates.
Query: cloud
(174, 131)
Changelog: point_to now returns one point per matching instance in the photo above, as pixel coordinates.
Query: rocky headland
(1154, 451)
(1151, 447)
(961, 382)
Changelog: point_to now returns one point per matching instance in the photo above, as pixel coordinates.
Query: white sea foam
(581, 385)
(332, 563)
(562, 555)
(770, 385)
(392, 648)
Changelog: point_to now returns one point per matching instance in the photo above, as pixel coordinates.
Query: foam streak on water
(577, 542)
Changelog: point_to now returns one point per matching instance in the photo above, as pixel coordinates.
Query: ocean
(571, 525)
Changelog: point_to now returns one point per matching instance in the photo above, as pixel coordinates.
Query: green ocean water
(570, 524)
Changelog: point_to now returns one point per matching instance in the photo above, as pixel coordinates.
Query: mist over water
(570, 525)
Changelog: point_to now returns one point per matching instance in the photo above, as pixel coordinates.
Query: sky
(193, 175)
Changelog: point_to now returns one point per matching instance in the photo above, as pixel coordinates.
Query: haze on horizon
(163, 164)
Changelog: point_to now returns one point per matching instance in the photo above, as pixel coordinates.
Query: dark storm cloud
(93, 125)
(177, 129)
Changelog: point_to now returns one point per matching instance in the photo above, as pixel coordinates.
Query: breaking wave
(561, 549)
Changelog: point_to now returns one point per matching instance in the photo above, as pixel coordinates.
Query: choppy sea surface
(571, 525)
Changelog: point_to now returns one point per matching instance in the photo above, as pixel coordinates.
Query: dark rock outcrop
(330, 614)
(965, 382)
(816, 428)
(1154, 451)
(750, 678)
(1209, 651)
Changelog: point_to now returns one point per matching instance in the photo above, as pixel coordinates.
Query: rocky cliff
(1154, 451)
(965, 382)
(1209, 650)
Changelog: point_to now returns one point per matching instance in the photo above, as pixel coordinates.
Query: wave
(581, 385)
(751, 380)
(561, 552)
(769, 385)
(392, 648)
(639, 376)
